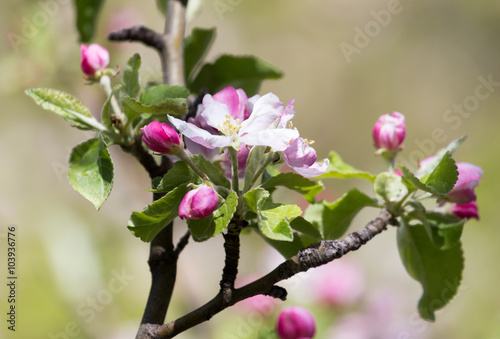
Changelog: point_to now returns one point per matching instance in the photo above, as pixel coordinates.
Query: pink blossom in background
(260, 303)
(295, 322)
(384, 316)
(338, 283)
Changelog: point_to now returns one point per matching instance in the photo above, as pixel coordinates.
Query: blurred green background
(423, 61)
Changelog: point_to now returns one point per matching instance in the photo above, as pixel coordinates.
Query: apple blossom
(260, 128)
(389, 131)
(94, 58)
(198, 203)
(295, 322)
(161, 138)
(302, 158)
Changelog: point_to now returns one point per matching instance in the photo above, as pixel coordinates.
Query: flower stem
(184, 156)
(106, 84)
(234, 162)
(258, 173)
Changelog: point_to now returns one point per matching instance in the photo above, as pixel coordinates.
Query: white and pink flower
(225, 113)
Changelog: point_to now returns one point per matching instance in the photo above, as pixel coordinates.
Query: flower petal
(215, 113)
(265, 112)
(200, 136)
(279, 139)
(287, 115)
(235, 100)
(299, 154)
(314, 170)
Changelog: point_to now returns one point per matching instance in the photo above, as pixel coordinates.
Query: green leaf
(254, 161)
(438, 271)
(446, 231)
(157, 94)
(308, 188)
(430, 165)
(106, 114)
(273, 219)
(339, 169)
(286, 248)
(131, 82)
(440, 181)
(148, 223)
(134, 108)
(196, 47)
(305, 227)
(445, 175)
(179, 174)
(206, 228)
(338, 215)
(389, 187)
(87, 12)
(256, 198)
(91, 171)
(66, 106)
(246, 72)
(267, 333)
(314, 215)
(214, 174)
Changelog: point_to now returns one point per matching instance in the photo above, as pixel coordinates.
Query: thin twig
(140, 34)
(183, 241)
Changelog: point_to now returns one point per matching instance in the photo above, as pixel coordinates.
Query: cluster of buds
(388, 134)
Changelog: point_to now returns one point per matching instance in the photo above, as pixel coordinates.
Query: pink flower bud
(389, 131)
(295, 323)
(94, 58)
(161, 138)
(198, 203)
(468, 179)
(465, 211)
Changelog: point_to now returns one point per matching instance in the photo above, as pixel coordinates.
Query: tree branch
(232, 251)
(313, 256)
(163, 256)
(170, 44)
(173, 37)
(140, 34)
